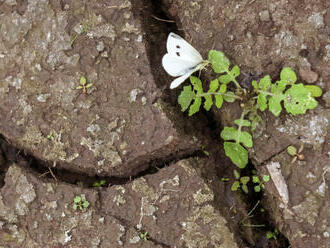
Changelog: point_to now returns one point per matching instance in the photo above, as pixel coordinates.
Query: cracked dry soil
(128, 130)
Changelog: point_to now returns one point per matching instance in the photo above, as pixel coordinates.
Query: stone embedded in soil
(308, 75)
(119, 124)
(174, 206)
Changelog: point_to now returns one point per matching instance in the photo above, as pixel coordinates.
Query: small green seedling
(296, 154)
(272, 235)
(240, 182)
(99, 183)
(225, 179)
(80, 202)
(84, 85)
(259, 183)
(50, 136)
(144, 236)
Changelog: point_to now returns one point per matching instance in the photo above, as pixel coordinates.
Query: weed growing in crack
(144, 236)
(296, 153)
(99, 183)
(242, 182)
(183, 60)
(80, 202)
(272, 234)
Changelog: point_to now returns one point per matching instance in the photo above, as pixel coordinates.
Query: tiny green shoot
(296, 153)
(83, 85)
(80, 202)
(99, 183)
(144, 236)
(272, 235)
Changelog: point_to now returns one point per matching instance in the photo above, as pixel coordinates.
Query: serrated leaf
(265, 178)
(220, 63)
(228, 97)
(237, 154)
(257, 188)
(315, 91)
(236, 174)
(255, 179)
(245, 180)
(225, 79)
(214, 85)
(231, 133)
(197, 84)
(235, 186)
(245, 189)
(194, 108)
(208, 102)
(288, 75)
(243, 123)
(235, 71)
(275, 105)
(185, 97)
(298, 99)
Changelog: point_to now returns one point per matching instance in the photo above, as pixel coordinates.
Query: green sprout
(296, 153)
(80, 202)
(99, 183)
(50, 136)
(83, 85)
(144, 236)
(259, 183)
(240, 182)
(272, 235)
(295, 98)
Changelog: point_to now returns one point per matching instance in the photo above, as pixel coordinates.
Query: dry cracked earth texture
(125, 128)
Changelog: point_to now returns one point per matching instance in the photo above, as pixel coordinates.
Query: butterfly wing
(176, 82)
(175, 66)
(181, 49)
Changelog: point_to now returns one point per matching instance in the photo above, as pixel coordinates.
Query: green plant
(296, 154)
(83, 85)
(296, 98)
(259, 183)
(272, 235)
(240, 182)
(80, 202)
(99, 183)
(144, 236)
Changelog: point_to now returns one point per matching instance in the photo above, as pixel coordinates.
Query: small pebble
(264, 16)
(308, 75)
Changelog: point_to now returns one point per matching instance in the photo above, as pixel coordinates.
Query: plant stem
(218, 93)
(244, 112)
(265, 92)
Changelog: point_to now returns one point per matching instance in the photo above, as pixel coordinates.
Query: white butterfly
(181, 59)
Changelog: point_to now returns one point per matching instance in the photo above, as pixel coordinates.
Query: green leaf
(298, 99)
(214, 85)
(257, 188)
(245, 188)
(77, 199)
(236, 174)
(246, 139)
(265, 82)
(194, 108)
(265, 178)
(225, 79)
(83, 80)
(292, 150)
(220, 63)
(228, 97)
(315, 91)
(223, 88)
(218, 100)
(262, 101)
(243, 123)
(245, 180)
(208, 102)
(235, 71)
(85, 204)
(255, 84)
(275, 105)
(197, 84)
(288, 75)
(237, 154)
(235, 186)
(255, 179)
(185, 97)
